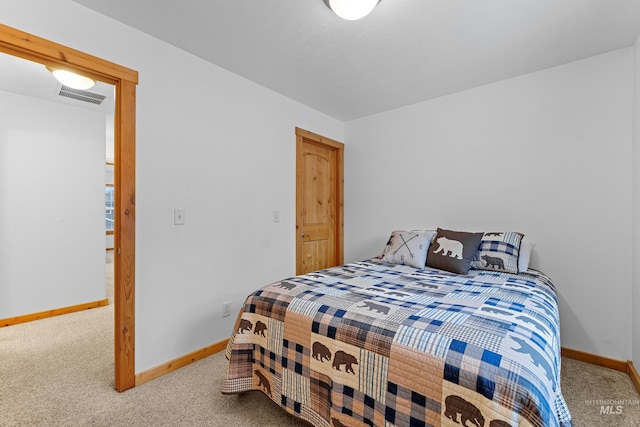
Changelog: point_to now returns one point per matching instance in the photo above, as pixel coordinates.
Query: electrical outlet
(226, 309)
(179, 217)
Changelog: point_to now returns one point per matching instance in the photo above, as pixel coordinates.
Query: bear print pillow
(453, 250)
(499, 251)
(408, 247)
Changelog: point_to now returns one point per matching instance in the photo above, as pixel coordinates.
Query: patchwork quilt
(371, 343)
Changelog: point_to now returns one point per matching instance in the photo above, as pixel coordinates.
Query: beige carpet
(59, 372)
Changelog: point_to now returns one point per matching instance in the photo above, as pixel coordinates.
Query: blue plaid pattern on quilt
(378, 344)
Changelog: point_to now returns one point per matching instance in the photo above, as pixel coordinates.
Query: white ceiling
(406, 51)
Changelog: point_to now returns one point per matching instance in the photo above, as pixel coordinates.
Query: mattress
(371, 343)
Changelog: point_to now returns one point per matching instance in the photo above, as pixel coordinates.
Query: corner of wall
(635, 285)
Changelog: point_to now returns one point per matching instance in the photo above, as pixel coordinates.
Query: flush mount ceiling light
(351, 9)
(72, 80)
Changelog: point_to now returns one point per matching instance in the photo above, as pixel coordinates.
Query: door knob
(302, 234)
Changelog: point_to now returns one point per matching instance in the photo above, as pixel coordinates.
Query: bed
(384, 343)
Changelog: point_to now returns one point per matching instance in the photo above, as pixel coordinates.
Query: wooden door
(319, 202)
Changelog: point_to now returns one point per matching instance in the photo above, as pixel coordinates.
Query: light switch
(179, 217)
(276, 216)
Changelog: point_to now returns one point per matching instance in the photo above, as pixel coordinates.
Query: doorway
(18, 43)
(319, 202)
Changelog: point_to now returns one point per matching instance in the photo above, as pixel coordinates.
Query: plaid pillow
(408, 247)
(498, 251)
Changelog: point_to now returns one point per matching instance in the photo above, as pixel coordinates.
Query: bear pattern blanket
(371, 343)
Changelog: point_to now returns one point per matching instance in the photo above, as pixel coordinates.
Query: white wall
(212, 143)
(636, 207)
(547, 154)
(51, 205)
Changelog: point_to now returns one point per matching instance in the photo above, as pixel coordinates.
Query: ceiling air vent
(82, 95)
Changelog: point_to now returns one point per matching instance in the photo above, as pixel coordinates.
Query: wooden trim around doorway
(305, 135)
(24, 45)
